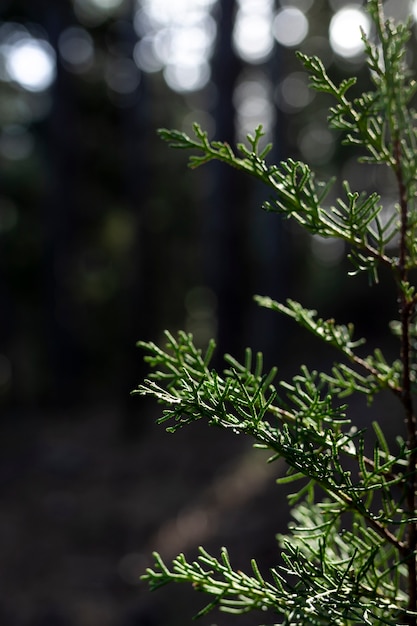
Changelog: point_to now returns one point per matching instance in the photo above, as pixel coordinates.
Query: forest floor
(83, 505)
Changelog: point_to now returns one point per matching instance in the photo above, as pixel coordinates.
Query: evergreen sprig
(381, 375)
(297, 194)
(349, 558)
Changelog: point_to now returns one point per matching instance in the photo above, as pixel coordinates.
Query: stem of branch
(406, 311)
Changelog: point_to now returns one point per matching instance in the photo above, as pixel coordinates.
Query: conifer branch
(341, 337)
(350, 557)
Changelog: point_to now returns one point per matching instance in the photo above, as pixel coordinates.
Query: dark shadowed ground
(83, 508)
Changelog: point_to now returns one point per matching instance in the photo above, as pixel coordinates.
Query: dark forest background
(107, 238)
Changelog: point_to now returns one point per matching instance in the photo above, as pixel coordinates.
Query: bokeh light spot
(31, 63)
(145, 57)
(294, 92)
(107, 5)
(345, 33)
(176, 36)
(181, 12)
(94, 12)
(192, 42)
(290, 26)
(76, 48)
(186, 77)
(316, 143)
(253, 102)
(252, 37)
(201, 306)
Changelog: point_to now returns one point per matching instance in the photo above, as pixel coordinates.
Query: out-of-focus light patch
(345, 33)
(187, 77)
(201, 307)
(255, 5)
(191, 42)
(252, 36)
(255, 106)
(253, 83)
(252, 99)
(119, 231)
(414, 9)
(328, 252)
(122, 76)
(293, 92)
(76, 48)
(8, 215)
(185, 45)
(106, 5)
(99, 8)
(142, 22)
(316, 144)
(94, 12)
(303, 5)
(145, 57)
(31, 63)
(24, 105)
(16, 143)
(10, 33)
(162, 45)
(166, 12)
(290, 26)
(177, 36)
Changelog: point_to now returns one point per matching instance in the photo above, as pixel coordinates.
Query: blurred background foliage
(106, 237)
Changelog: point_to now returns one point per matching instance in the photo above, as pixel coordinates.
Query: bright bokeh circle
(290, 27)
(345, 31)
(31, 63)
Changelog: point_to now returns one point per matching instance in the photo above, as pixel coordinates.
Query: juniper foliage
(350, 556)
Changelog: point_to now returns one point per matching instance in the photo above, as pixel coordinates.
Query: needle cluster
(350, 554)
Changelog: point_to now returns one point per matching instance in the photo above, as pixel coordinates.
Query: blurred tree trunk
(63, 153)
(245, 249)
(271, 240)
(225, 216)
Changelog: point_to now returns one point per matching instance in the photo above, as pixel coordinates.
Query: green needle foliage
(350, 555)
